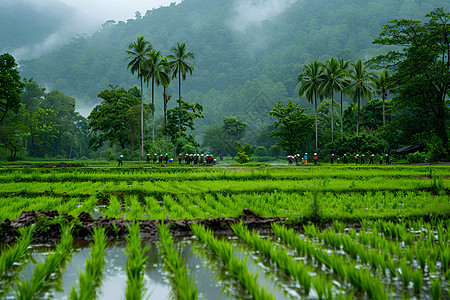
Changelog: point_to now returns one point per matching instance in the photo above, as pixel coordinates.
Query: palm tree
(165, 83)
(332, 79)
(139, 52)
(180, 65)
(360, 85)
(382, 85)
(310, 86)
(156, 71)
(344, 67)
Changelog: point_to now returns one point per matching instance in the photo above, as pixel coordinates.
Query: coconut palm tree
(360, 85)
(382, 85)
(165, 83)
(156, 71)
(344, 67)
(180, 65)
(139, 52)
(332, 79)
(310, 86)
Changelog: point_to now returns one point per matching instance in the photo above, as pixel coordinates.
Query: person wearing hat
(148, 158)
(356, 158)
(331, 158)
(371, 159)
(345, 158)
(362, 159)
(381, 160)
(202, 159)
(120, 160)
(306, 158)
(155, 158)
(387, 159)
(179, 159)
(315, 158)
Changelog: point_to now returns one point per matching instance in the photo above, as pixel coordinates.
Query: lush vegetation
(399, 246)
(246, 81)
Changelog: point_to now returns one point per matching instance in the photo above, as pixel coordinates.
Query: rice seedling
(421, 257)
(235, 266)
(436, 289)
(417, 279)
(183, 284)
(339, 226)
(136, 264)
(280, 257)
(405, 273)
(15, 253)
(39, 282)
(90, 281)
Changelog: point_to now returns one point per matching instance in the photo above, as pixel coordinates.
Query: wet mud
(48, 225)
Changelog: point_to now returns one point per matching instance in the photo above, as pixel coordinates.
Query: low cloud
(256, 11)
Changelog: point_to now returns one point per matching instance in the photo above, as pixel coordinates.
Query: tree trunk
(383, 96)
(332, 114)
(142, 120)
(342, 127)
(179, 97)
(357, 118)
(315, 106)
(153, 108)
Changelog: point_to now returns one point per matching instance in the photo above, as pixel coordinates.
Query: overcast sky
(116, 9)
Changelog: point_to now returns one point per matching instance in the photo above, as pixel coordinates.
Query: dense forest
(248, 56)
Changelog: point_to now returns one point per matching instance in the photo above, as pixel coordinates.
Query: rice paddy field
(338, 232)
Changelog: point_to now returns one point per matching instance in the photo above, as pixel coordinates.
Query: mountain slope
(229, 48)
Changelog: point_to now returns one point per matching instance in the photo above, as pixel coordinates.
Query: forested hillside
(229, 48)
(30, 28)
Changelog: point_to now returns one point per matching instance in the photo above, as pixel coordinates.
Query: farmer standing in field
(148, 158)
(315, 158)
(381, 160)
(331, 158)
(306, 158)
(345, 158)
(362, 159)
(356, 158)
(179, 159)
(154, 158)
(387, 159)
(371, 159)
(120, 160)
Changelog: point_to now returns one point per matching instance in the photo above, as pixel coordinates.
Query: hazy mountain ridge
(31, 28)
(226, 54)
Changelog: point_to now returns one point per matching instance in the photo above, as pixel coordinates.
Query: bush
(416, 157)
(260, 151)
(263, 158)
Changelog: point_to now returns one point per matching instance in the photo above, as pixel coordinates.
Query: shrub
(260, 151)
(416, 157)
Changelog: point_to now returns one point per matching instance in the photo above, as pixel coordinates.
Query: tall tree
(343, 64)
(292, 126)
(310, 86)
(156, 71)
(180, 65)
(332, 80)
(108, 120)
(422, 71)
(10, 85)
(360, 85)
(382, 85)
(139, 52)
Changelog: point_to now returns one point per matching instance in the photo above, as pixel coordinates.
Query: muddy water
(209, 274)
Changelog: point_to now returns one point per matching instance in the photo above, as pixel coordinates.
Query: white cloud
(256, 11)
(119, 10)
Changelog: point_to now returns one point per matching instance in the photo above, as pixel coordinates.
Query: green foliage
(260, 151)
(243, 153)
(10, 85)
(14, 254)
(292, 126)
(416, 157)
(109, 120)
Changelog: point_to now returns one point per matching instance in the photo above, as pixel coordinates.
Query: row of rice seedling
(183, 284)
(268, 249)
(90, 281)
(234, 265)
(360, 279)
(135, 265)
(41, 279)
(11, 255)
(230, 174)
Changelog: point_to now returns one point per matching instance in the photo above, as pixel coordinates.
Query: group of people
(358, 159)
(195, 159)
(361, 159)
